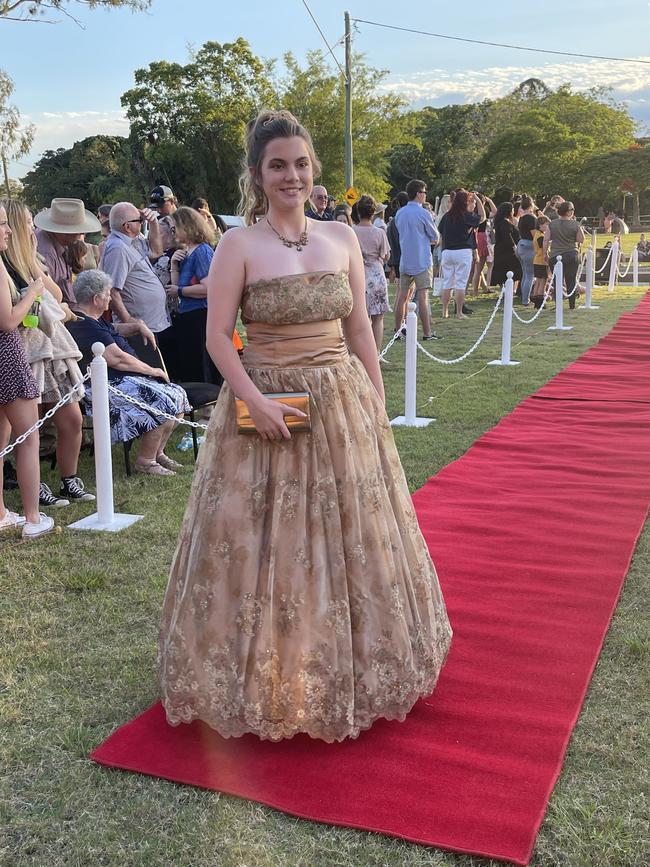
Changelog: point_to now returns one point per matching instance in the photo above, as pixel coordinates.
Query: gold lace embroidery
(297, 298)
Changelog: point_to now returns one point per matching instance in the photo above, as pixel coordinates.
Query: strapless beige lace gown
(302, 596)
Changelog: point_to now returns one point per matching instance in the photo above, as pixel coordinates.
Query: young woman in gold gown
(302, 596)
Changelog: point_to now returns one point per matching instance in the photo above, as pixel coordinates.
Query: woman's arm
(118, 359)
(48, 282)
(175, 266)
(136, 326)
(225, 287)
(12, 315)
(196, 290)
(357, 325)
(200, 264)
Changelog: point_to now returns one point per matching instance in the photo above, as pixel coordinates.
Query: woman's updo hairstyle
(267, 126)
(366, 207)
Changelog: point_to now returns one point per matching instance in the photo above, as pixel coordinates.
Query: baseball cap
(161, 194)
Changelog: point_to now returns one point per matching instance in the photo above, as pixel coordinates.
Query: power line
(498, 44)
(329, 47)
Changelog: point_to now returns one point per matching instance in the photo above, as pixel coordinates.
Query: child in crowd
(540, 265)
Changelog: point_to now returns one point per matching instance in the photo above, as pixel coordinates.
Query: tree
(35, 10)
(96, 169)
(15, 189)
(536, 153)
(188, 121)
(619, 172)
(534, 138)
(550, 138)
(316, 95)
(15, 139)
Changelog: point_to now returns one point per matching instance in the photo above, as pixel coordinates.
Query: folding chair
(199, 394)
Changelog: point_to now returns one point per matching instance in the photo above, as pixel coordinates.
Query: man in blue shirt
(417, 232)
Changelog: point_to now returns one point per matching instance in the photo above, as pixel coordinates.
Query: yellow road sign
(352, 196)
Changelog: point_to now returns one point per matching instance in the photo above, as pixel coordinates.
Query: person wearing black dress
(506, 237)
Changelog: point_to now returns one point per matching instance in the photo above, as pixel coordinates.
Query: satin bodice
(295, 320)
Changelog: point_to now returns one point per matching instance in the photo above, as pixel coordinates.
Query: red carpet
(532, 531)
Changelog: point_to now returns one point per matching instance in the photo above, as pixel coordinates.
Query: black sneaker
(47, 499)
(73, 488)
(432, 336)
(467, 310)
(401, 333)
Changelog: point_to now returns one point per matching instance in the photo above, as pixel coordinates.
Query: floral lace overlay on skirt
(302, 596)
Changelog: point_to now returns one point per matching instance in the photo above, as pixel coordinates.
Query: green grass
(79, 622)
(628, 242)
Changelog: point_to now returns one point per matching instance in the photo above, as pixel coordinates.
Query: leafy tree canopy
(533, 139)
(188, 121)
(608, 176)
(96, 169)
(316, 95)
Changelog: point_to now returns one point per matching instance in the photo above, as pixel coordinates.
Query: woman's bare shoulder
(335, 229)
(238, 237)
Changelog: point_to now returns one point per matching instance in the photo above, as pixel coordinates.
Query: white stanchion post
(558, 280)
(104, 518)
(635, 266)
(589, 282)
(506, 334)
(613, 266)
(593, 253)
(409, 419)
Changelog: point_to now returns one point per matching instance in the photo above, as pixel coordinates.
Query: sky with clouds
(69, 78)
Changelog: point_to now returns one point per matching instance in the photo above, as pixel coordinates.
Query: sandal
(152, 468)
(167, 462)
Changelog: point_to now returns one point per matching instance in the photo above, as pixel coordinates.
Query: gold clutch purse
(298, 399)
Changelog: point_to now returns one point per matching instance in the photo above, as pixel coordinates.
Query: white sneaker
(10, 520)
(31, 529)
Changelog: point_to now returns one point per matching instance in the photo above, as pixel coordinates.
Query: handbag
(297, 399)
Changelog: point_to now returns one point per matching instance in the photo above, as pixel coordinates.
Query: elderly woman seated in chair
(132, 377)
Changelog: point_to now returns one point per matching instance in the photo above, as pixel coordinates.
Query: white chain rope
(578, 276)
(604, 265)
(547, 295)
(397, 336)
(48, 415)
(627, 270)
(129, 399)
(472, 348)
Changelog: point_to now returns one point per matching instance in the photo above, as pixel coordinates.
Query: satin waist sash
(306, 344)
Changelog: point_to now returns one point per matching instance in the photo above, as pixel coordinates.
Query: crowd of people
(469, 244)
(59, 294)
(147, 277)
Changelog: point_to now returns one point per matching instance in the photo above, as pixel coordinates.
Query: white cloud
(629, 82)
(70, 114)
(61, 129)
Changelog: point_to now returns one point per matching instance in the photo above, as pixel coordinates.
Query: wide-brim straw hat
(68, 217)
(380, 208)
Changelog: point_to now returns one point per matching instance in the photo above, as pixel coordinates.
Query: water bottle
(186, 443)
(31, 318)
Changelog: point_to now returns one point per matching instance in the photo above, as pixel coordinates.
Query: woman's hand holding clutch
(268, 417)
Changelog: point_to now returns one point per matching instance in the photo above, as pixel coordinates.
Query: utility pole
(349, 173)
